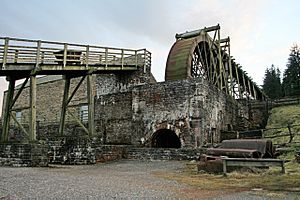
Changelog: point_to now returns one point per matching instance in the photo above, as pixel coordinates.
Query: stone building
(134, 109)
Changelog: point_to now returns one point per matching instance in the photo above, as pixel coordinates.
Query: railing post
(87, 56)
(145, 60)
(136, 58)
(65, 55)
(122, 58)
(6, 41)
(38, 52)
(106, 52)
(16, 56)
(100, 59)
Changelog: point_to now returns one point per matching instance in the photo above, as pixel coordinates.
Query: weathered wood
(91, 105)
(32, 121)
(7, 112)
(20, 125)
(40, 53)
(79, 122)
(64, 106)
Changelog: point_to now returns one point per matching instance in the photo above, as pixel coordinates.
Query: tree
(272, 83)
(291, 76)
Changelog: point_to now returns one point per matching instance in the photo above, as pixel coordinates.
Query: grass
(279, 119)
(270, 180)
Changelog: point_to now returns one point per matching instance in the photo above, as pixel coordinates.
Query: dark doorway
(165, 138)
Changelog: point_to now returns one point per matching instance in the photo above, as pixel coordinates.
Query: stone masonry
(131, 109)
(191, 108)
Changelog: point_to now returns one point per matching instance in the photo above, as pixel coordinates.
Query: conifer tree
(291, 76)
(272, 84)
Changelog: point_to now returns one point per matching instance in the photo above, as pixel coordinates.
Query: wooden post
(106, 57)
(220, 63)
(38, 52)
(7, 112)
(16, 56)
(238, 81)
(254, 91)
(224, 167)
(91, 106)
(87, 54)
(136, 60)
(244, 81)
(65, 55)
(145, 64)
(64, 106)
(249, 86)
(230, 69)
(122, 58)
(6, 40)
(32, 121)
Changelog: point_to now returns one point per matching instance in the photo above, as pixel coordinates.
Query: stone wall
(23, 155)
(193, 109)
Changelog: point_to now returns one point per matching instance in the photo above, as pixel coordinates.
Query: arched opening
(165, 138)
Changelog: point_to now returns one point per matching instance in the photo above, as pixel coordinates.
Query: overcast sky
(261, 31)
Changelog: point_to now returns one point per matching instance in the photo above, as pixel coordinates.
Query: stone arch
(165, 138)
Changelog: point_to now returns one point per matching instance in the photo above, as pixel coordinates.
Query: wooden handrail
(24, 51)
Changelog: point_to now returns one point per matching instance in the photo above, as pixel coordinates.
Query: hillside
(284, 122)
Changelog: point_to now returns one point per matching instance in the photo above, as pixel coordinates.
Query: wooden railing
(14, 51)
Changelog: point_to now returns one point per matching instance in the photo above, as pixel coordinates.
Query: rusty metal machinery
(202, 53)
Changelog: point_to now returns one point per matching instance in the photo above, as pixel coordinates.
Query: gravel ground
(115, 180)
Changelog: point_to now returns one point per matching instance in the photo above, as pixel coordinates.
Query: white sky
(261, 31)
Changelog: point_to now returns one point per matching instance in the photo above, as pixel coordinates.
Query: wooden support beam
(19, 93)
(32, 117)
(75, 90)
(244, 82)
(250, 88)
(20, 126)
(7, 112)
(238, 80)
(79, 122)
(221, 72)
(91, 105)
(64, 106)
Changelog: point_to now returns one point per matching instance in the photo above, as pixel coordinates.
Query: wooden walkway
(47, 58)
(26, 59)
